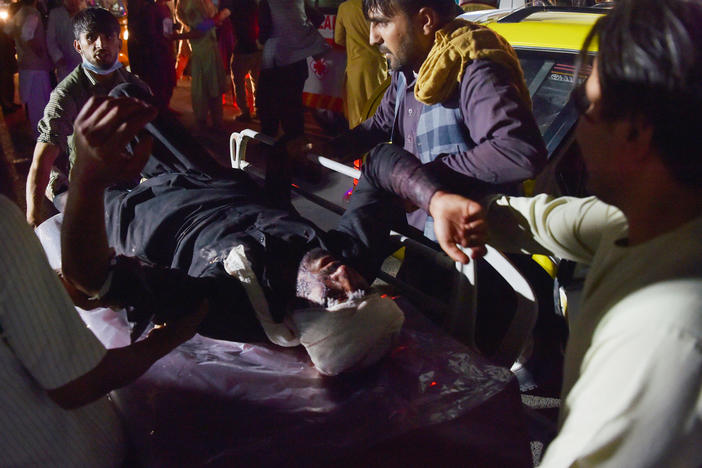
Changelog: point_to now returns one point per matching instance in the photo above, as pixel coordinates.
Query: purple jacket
(507, 147)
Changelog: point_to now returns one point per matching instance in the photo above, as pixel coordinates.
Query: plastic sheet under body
(219, 403)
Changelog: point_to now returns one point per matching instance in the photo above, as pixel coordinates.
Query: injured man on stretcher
(193, 230)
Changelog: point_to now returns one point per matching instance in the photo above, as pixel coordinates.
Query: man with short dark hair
(632, 389)
(96, 33)
(457, 102)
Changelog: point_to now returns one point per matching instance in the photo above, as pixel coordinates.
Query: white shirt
(45, 345)
(632, 391)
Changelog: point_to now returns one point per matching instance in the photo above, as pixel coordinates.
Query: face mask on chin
(101, 71)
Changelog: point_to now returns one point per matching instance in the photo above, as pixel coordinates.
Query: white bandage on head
(350, 335)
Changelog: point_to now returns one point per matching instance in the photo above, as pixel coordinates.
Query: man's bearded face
(396, 39)
(324, 280)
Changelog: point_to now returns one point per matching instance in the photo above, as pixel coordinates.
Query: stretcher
(431, 402)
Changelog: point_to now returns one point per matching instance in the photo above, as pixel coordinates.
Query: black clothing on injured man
(190, 212)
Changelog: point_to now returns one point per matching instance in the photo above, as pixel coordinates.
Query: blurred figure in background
(8, 68)
(137, 47)
(156, 24)
(59, 37)
(183, 55)
(226, 40)
(247, 55)
(366, 68)
(27, 29)
(290, 37)
(206, 67)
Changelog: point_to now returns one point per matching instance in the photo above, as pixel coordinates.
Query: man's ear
(76, 45)
(428, 20)
(639, 135)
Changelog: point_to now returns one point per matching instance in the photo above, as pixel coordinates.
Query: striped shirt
(45, 345)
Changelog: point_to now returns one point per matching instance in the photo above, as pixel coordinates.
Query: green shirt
(67, 99)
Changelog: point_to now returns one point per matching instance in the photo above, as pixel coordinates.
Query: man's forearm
(103, 128)
(118, 367)
(38, 178)
(397, 171)
(84, 226)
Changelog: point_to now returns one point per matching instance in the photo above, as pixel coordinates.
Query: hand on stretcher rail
(457, 219)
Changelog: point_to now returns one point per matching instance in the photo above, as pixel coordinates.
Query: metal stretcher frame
(460, 312)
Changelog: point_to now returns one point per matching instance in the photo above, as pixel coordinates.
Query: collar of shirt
(410, 77)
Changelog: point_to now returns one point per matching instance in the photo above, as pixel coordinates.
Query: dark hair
(94, 20)
(446, 9)
(650, 67)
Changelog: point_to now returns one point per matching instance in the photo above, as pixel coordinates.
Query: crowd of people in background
(221, 52)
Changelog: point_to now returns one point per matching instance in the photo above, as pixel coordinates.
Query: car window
(549, 77)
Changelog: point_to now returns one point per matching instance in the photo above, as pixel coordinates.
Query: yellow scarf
(456, 45)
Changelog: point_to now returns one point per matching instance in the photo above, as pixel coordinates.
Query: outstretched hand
(103, 128)
(458, 220)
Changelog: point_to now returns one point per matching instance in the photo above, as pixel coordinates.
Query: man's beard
(403, 57)
(314, 285)
(393, 62)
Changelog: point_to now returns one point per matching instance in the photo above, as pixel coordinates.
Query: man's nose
(100, 41)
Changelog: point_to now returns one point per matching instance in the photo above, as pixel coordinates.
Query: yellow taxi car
(547, 41)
